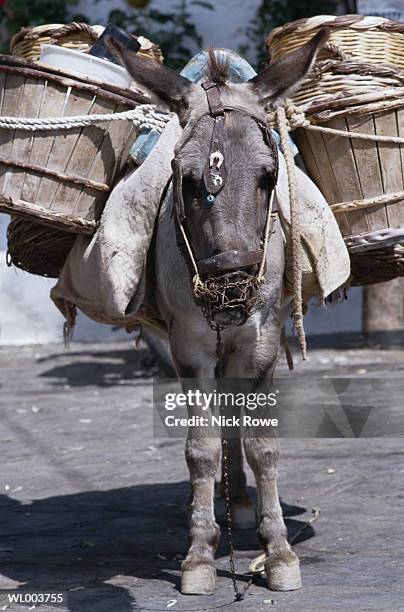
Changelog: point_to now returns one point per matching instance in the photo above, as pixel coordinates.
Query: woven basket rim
(30, 38)
(47, 29)
(352, 22)
(322, 110)
(41, 30)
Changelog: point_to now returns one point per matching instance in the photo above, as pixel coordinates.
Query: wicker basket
(33, 247)
(374, 40)
(37, 249)
(79, 36)
(362, 180)
(377, 266)
(362, 54)
(60, 177)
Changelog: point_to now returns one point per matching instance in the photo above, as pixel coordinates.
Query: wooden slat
(5, 135)
(32, 212)
(2, 90)
(328, 185)
(80, 161)
(13, 90)
(51, 105)
(54, 159)
(395, 214)
(67, 178)
(309, 159)
(22, 141)
(75, 103)
(105, 162)
(343, 167)
(368, 167)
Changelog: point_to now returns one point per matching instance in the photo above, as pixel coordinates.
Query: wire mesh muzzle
(228, 292)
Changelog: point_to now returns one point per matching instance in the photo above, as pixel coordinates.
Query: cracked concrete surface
(92, 505)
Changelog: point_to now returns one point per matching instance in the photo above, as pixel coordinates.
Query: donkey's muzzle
(230, 317)
(229, 299)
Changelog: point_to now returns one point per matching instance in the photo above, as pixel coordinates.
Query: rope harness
(225, 281)
(144, 116)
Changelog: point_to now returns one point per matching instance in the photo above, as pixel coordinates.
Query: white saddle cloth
(104, 275)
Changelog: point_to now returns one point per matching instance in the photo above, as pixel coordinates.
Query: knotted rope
(287, 118)
(144, 116)
(281, 124)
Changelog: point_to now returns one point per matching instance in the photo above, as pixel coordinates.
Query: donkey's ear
(282, 76)
(169, 86)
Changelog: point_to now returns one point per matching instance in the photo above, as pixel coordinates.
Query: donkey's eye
(190, 184)
(191, 187)
(264, 180)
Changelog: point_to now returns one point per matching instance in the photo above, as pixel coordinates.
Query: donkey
(224, 174)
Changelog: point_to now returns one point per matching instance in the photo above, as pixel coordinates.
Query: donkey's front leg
(282, 564)
(198, 569)
(202, 452)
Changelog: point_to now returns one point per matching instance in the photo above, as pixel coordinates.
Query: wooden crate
(61, 178)
(362, 180)
(356, 86)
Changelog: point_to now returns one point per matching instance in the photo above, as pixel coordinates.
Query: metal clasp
(216, 159)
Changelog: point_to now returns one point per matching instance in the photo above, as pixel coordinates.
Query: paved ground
(92, 505)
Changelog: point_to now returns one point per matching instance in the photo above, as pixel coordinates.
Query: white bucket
(84, 64)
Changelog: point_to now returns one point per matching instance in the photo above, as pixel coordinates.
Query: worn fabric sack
(324, 257)
(104, 275)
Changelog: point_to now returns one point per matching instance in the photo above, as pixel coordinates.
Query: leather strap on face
(215, 171)
(228, 261)
(214, 99)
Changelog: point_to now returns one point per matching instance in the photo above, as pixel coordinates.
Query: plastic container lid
(84, 64)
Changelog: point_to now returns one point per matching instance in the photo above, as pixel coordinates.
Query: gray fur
(235, 221)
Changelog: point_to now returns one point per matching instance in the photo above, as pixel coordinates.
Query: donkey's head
(225, 167)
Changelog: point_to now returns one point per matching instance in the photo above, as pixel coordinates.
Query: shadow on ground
(100, 368)
(103, 545)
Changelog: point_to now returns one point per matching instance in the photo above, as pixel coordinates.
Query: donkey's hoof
(283, 574)
(198, 579)
(243, 515)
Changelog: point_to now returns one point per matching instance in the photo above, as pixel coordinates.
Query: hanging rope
(282, 127)
(287, 118)
(261, 271)
(144, 116)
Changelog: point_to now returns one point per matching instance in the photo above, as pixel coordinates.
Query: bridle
(225, 273)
